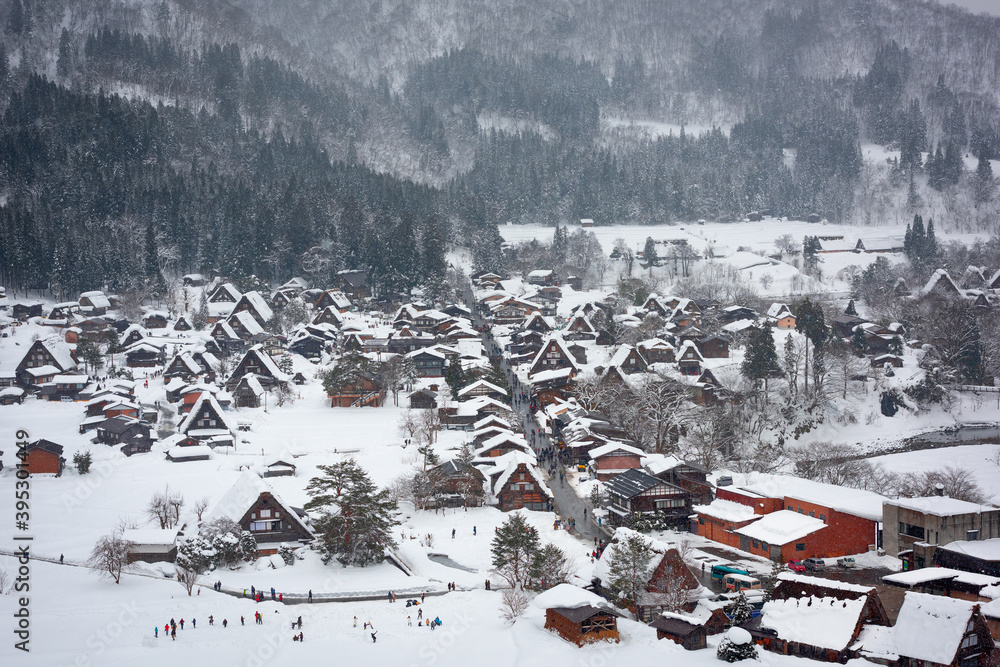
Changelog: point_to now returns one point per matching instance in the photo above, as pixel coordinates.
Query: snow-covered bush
(287, 554)
(736, 645)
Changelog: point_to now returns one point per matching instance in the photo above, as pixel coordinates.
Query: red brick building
(44, 457)
(613, 459)
(844, 521)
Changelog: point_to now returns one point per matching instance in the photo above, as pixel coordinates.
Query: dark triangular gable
(545, 362)
(267, 500)
(253, 363)
(205, 411)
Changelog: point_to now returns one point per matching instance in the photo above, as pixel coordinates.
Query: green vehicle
(720, 571)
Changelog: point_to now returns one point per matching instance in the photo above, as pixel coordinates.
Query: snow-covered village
(532, 333)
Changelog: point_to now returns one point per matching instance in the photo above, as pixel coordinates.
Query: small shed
(280, 467)
(584, 624)
(687, 631)
(151, 545)
(44, 457)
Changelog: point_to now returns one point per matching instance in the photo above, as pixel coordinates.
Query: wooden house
(256, 508)
(687, 631)
(224, 293)
(584, 624)
(226, 337)
(155, 320)
(329, 315)
(353, 283)
(689, 359)
(656, 304)
(656, 351)
(780, 315)
(183, 366)
(281, 466)
(247, 391)
(537, 322)
(554, 355)
(940, 285)
(520, 485)
(542, 277)
(23, 311)
(255, 304)
(429, 362)
(369, 392)
(259, 363)
(482, 388)
(714, 346)
(637, 492)
(144, 355)
(123, 430)
(333, 299)
(206, 420)
(194, 280)
(423, 399)
(613, 459)
(94, 303)
(151, 545)
(455, 484)
(932, 631)
(44, 457)
(580, 328)
(628, 360)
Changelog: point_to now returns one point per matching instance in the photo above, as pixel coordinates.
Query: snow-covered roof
(480, 384)
(778, 310)
(97, 298)
(597, 452)
(930, 627)
(179, 453)
(151, 536)
(41, 371)
(242, 495)
(826, 622)
(269, 363)
(727, 510)
(857, 502)
(602, 569)
(61, 353)
(568, 596)
(532, 469)
(540, 273)
(940, 506)
(988, 550)
(781, 527)
(938, 276)
(248, 322)
(188, 424)
(824, 583)
(912, 578)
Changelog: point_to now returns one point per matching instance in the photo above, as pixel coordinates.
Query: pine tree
(514, 547)
(984, 185)
(356, 520)
(649, 253)
(791, 364)
(731, 651)
(739, 610)
(629, 568)
(454, 376)
(761, 358)
(82, 461)
(851, 310)
(63, 62)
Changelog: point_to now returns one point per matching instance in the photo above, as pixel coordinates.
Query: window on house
(812, 513)
(801, 546)
(265, 514)
(801, 511)
(970, 641)
(701, 522)
(764, 546)
(972, 535)
(756, 544)
(822, 517)
(258, 526)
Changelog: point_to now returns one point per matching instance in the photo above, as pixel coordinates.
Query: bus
(740, 582)
(720, 571)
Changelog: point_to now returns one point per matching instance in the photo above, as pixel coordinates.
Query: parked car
(814, 564)
(846, 562)
(796, 566)
(724, 480)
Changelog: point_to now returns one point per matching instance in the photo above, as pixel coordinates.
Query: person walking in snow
(373, 636)
(310, 595)
(211, 620)
(409, 621)
(173, 634)
(156, 632)
(243, 621)
(194, 622)
(166, 629)
(225, 623)
(355, 621)
(420, 614)
(452, 533)
(473, 531)
(182, 624)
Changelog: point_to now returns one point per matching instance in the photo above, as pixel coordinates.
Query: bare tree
(165, 508)
(109, 557)
(200, 506)
(430, 424)
(951, 481)
(513, 604)
(409, 424)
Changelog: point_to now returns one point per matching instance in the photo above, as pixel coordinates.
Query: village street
(568, 504)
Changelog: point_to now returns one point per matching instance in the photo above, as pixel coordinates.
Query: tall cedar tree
(630, 568)
(514, 548)
(811, 323)
(761, 357)
(356, 521)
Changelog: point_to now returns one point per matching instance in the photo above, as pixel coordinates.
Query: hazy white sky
(977, 6)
